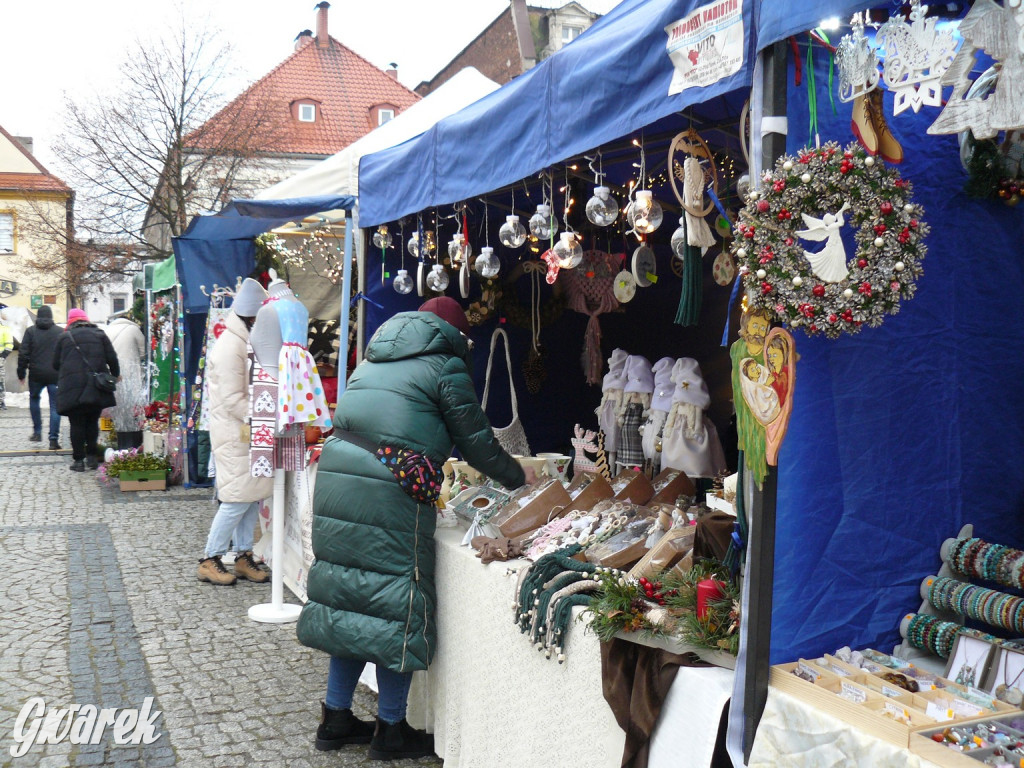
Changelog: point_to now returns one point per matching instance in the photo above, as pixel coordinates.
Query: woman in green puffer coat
(371, 588)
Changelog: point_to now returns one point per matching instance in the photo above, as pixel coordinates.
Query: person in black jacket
(36, 359)
(82, 350)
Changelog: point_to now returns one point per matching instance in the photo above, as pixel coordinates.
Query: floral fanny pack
(416, 474)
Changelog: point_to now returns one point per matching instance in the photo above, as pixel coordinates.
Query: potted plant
(130, 411)
(136, 470)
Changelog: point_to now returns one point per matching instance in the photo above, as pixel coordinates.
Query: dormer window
(307, 113)
(382, 113)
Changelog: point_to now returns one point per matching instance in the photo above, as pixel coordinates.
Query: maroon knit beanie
(447, 309)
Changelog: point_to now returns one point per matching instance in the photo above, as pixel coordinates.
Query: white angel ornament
(830, 262)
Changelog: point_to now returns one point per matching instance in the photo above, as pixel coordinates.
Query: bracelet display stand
(907, 651)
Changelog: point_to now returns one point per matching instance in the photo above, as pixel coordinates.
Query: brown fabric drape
(636, 680)
(713, 535)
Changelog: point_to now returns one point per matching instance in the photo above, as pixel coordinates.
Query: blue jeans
(342, 676)
(235, 520)
(35, 391)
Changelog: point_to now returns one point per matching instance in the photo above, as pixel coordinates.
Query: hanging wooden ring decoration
(690, 143)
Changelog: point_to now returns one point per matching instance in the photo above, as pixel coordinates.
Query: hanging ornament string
(812, 96)
(822, 38)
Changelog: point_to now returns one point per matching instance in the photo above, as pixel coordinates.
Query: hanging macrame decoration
(999, 32)
(589, 290)
(692, 296)
(692, 170)
(917, 55)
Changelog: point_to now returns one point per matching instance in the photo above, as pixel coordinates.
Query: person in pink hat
(83, 351)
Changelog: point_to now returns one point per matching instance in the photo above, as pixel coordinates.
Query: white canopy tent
(339, 174)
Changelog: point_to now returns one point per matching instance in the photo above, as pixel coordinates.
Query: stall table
(492, 700)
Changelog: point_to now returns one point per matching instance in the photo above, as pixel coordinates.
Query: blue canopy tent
(898, 435)
(218, 248)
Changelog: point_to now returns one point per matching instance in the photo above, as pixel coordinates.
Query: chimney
(303, 38)
(26, 142)
(321, 24)
(392, 71)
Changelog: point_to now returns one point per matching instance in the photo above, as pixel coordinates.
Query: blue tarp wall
(902, 434)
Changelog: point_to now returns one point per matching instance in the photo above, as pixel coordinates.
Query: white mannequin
(265, 336)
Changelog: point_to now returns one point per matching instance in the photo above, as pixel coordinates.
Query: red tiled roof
(344, 85)
(34, 182)
(44, 181)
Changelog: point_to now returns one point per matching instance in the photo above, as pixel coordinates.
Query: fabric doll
(611, 400)
(690, 441)
(636, 399)
(661, 403)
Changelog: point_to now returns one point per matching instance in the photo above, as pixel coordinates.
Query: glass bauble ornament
(403, 283)
(568, 251)
(541, 223)
(413, 246)
(602, 208)
(459, 250)
(644, 213)
(382, 238)
(743, 186)
(678, 241)
(512, 234)
(437, 280)
(487, 264)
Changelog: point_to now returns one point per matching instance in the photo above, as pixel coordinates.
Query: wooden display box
(515, 520)
(638, 489)
(869, 714)
(921, 743)
(678, 484)
(597, 490)
(143, 480)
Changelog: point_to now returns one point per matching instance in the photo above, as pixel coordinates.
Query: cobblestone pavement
(100, 605)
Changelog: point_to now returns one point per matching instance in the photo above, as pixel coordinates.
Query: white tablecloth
(493, 701)
(795, 734)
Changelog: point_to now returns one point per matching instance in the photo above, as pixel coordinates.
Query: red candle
(707, 590)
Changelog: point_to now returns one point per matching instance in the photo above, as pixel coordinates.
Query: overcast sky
(53, 46)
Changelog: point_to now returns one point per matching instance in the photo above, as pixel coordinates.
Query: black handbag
(105, 381)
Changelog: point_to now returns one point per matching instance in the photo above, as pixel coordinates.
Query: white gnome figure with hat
(661, 403)
(636, 399)
(690, 442)
(611, 400)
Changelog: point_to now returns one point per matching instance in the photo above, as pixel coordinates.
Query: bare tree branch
(143, 159)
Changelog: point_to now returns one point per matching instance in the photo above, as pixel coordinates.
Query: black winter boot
(339, 727)
(398, 741)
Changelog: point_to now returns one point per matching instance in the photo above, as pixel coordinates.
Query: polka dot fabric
(417, 475)
(300, 394)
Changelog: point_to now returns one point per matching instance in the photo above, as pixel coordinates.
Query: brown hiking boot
(246, 568)
(211, 569)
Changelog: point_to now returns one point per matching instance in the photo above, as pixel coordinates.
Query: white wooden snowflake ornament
(916, 57)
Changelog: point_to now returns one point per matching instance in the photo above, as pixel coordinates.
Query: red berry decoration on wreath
(799, 215)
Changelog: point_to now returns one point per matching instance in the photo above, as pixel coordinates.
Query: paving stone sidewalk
(100, 605)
